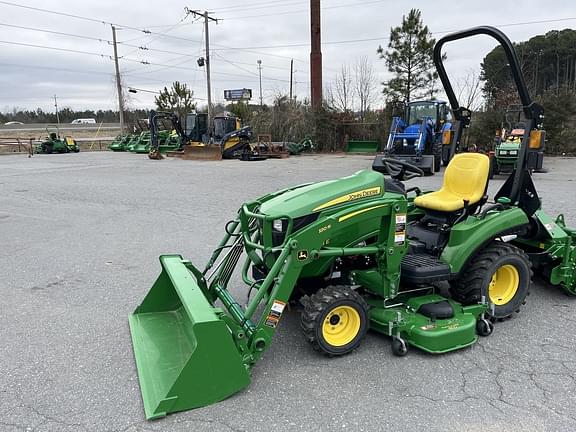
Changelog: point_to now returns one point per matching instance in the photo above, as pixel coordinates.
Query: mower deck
(432, 323)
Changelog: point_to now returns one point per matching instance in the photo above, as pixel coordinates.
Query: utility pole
(56, 105)
(291, 76)
(260, 76)
(207, 19)
(118, 83)
(315, 55)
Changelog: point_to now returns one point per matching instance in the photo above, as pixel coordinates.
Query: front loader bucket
(185, 354)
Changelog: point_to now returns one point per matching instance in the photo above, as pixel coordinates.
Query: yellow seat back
(465, 179)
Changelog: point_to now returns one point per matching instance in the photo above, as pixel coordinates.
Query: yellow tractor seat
(465, 179)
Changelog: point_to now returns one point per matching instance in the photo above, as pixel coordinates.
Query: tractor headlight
(513, 152)
(280, 227)
(277, 225)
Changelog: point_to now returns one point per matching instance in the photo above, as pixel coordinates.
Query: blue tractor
(418, 137)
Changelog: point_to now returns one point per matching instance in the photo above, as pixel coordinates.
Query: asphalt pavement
(80, 236)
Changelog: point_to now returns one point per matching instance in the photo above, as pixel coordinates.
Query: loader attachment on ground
(185, 353)
(199, 152)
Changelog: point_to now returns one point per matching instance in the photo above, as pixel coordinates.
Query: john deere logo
(365, 193)
(302, 255)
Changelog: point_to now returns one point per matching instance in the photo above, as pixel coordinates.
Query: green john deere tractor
(362, 252)
(54, 143)
(507, 144)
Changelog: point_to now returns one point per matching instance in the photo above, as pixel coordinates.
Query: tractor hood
(326, 195)
(510, 145)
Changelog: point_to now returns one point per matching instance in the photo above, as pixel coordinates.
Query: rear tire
(501, 273)
(334, 320)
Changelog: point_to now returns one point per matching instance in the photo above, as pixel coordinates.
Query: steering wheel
(400, 170)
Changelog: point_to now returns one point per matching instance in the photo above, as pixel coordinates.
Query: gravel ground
(80, 236)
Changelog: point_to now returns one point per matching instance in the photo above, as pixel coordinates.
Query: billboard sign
(238, 94)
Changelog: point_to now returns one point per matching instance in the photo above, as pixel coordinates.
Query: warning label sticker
(278, 306)
(271, 322)
(275, 313)
(399, 238)
(400, 223)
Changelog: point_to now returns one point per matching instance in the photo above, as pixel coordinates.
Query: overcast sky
(247, 31)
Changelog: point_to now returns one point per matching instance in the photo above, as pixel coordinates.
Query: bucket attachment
(155, 154)
(185, 353)
(199, 152)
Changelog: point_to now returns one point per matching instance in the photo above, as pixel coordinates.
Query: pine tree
(409, 57)
(179, 100)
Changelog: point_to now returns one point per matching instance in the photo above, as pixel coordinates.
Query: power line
(307, 10)
(55, 32)
(145, 48)
(144, 62)
(383, 38)
(164, 33)
(255, 7)
(36, 66)
(54, 48)
(285, 69)
(95, 20)
(268, 3)
(147, 32)
(236, 65)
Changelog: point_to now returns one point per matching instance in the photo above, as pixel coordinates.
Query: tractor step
(423, 268)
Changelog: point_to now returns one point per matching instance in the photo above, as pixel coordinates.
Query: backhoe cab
(362, 252)
(168, 136)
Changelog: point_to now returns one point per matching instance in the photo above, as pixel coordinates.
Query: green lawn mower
(360, 253)
(53, 143)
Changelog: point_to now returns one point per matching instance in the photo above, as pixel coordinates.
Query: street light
(136, 90)
(260, 75)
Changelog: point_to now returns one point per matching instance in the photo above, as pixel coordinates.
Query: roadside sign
(238, 94)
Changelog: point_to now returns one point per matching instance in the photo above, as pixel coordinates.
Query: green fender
(468, 236)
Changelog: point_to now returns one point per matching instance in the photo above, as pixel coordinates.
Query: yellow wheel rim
(341, 326)
(503, 285)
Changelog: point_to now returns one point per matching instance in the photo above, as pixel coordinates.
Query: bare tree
(365, 84)
(469, 90)
(343, 91)
(328, 95)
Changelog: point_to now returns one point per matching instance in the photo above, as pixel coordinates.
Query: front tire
(501, 273)
(334, 320)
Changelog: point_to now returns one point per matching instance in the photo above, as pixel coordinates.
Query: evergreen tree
(179, 100)
(409, 57)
